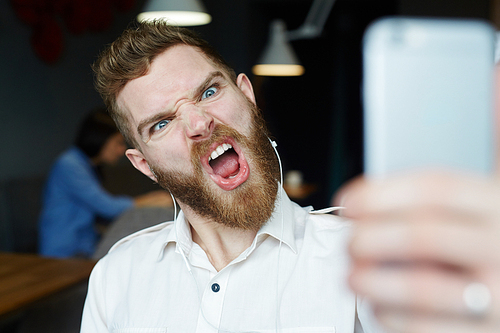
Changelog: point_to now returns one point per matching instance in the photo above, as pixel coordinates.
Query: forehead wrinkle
(194, 92)
(135, 101)
(157, 84)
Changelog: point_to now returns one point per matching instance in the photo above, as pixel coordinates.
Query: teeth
(219, 151)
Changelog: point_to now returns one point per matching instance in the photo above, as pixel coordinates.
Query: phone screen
(428, 95)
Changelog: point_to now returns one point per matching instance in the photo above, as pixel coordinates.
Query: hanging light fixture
(278, 58)
(176, 12)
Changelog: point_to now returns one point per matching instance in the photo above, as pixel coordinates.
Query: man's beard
(249, 205)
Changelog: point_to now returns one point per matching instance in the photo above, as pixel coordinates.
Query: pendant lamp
(278, 58)
(176, 12)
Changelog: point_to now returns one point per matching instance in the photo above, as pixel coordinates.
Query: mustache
(218, 135)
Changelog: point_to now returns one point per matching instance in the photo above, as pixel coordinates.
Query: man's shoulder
(315, 227)
(70, 163)
(138, 252)
(143, 239)
(72, 155)
(324, 219)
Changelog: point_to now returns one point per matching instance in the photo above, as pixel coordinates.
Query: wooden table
(27, 278)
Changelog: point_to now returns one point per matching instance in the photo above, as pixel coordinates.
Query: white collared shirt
(291, 279)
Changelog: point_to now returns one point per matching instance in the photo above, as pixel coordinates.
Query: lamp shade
(176, 12)
(278, 58)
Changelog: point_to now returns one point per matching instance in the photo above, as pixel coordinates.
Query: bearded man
(240, 256)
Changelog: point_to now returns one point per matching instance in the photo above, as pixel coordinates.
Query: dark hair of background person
(94, 131)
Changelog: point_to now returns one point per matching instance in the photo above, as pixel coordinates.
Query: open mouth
(226, 165)
(224, 161)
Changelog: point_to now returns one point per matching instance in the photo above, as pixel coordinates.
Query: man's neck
(222, 244)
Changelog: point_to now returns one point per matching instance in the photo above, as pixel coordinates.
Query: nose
(199, 124)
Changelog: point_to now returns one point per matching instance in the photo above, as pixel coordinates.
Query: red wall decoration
(48, 17)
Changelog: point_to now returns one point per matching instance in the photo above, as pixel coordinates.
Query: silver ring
(477, 299)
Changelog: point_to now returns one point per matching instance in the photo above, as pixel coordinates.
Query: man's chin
(247, 206)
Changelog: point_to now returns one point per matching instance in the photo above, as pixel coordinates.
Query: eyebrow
(147, 121)
(208, 81)
(198, 91)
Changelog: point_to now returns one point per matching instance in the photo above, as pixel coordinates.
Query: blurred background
(47, 87)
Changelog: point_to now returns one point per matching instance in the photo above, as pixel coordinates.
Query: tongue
(226, 165)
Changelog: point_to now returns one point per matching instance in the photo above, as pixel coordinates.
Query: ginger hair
(131, 55)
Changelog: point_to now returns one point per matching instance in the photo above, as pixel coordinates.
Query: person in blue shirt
(74, 197)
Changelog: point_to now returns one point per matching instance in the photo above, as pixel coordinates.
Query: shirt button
(215, 287)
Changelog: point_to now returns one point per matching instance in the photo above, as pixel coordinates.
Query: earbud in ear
(273, 143)
(154, 174)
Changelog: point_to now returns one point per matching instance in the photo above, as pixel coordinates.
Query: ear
(243, 82)
(139, 162)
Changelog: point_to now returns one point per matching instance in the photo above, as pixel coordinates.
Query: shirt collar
(280, 226)
(180, 234)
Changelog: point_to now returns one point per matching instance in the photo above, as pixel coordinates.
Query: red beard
(250, 205)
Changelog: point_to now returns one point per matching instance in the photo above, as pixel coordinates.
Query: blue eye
(209, 92)
(160, 125)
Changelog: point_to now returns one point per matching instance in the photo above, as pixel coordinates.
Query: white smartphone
(428, 89)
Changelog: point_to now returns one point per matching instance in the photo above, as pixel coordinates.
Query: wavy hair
(130, 57)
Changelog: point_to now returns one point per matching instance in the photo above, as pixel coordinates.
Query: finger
(418, 288)
(462, 193)
(397, 320)
(430, 291)
(420, 238)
